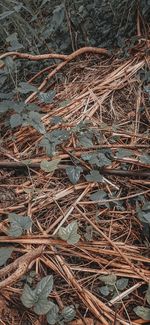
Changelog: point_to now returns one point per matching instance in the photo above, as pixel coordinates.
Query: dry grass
(108, 94)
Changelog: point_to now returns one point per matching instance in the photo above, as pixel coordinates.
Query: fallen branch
(20, 266)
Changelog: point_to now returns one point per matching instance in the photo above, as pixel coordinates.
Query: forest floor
(75, 196)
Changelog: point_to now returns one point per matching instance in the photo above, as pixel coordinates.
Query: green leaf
(52, 315)
(148, 295)
(94, 176)
(98, 195)
(5, 253)
(16, 120)
(69, 313)
(10, 64)
(142, 312)
(5, 106)
(47, 97)
(102, 160)
(122, 283)
(144, 213)
(26, 88)
(49, 166)
(108, 279)
(85, 142)
(18, 224)
(89, 233)
(28, 296)
(13, 40)
(34, 119)
(58, 136)
(56, 120)
(73, 173)
(42, 306)
(48, 146)
(45, 286)
(124, 153)
(104, 290)
(69, 233)
(145, 159)
(58, 17)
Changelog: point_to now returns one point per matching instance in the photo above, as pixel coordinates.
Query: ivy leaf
(98, 196)
(18, 224)
(52, 315)
(5, 106)
(108, 279)
(58, 17)
(34, 119)
(69, 233)
(142, 312)
(49, 166)
(28, 296)
(16, 120)
(10, 64)
(148, 295)
(45, 286)
(145, 159)
(48, 146)
(73, 173)
(5, 253)
(104, 290)
(89, 233)
(144, 213)
(13, 40)
(58, 136)
(122, 283)
(102, 160)
(56, 120)
(42, 306)
(94, 176)
(85, 142)
(26, 88)
(124, 153)
(69, 313)
(47, 97)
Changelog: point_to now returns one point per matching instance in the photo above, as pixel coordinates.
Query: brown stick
(103, 171)
(31, 57)
(21, 266)
(70, 57)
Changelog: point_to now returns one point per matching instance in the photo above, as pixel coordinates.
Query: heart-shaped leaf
(69, 233)
(108, 279)
(5, 253)
(52, 315)
(122, 283)
(73, 173)
(47, 97)
(94, 176)
(98, 195)
(85, 142)
(18, 224)
(28, 296)
(25, 88)
(45, 286)
(148, 295)
(42, 306)
(16, 120)
(48, 146)
(69, 313)
(104, 290)
(49, 166)
(34, 119)
(142, 312)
